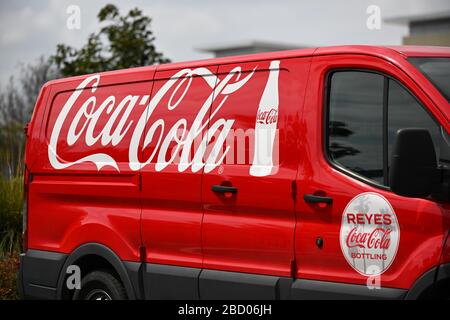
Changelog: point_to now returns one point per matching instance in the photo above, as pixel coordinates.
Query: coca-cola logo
(369, 234)
(114, 113)
(90, 122)
(267, 117)
(94, 124)
(375, 239)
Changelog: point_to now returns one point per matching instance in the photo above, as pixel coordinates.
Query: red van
(316, 173)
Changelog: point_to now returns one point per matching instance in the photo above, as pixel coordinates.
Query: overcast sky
(31, 28)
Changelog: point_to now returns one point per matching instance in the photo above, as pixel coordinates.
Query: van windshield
(437, 70)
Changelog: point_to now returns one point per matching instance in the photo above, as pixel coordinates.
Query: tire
(100, 285)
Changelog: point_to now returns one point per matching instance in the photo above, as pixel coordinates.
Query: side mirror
(413, 165)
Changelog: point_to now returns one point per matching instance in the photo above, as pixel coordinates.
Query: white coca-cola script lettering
(81, 126)
(180, 133)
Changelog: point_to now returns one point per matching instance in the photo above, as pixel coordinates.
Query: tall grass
(11, 202)
(12, 143)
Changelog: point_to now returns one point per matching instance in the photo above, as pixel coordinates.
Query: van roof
(406, 51)
(426, 51)
(386, 52)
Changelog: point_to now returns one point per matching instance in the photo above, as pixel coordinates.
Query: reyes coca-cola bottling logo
(370, 234)
(187, 144)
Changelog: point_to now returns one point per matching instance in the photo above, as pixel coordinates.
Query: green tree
(124, 42)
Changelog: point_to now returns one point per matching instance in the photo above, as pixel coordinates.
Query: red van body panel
(261, 240)
(98, 206)
(171, 205)
(138, 161)
(422, 221)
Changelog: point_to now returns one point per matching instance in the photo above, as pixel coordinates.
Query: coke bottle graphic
(266, 125)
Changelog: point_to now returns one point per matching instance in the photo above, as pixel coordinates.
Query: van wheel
(100, 285)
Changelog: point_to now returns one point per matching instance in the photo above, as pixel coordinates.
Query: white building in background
(248, 48)
(428, 21)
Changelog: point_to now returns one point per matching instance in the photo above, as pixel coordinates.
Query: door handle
(317, 199)
(224, 189)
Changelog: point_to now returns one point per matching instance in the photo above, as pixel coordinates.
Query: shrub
(11, 202)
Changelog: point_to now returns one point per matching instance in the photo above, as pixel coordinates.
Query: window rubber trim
(385, 131)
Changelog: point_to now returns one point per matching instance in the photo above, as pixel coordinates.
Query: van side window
(356, 122)
(365, 111)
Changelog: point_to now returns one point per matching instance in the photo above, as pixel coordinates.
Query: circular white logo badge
(370, 234)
